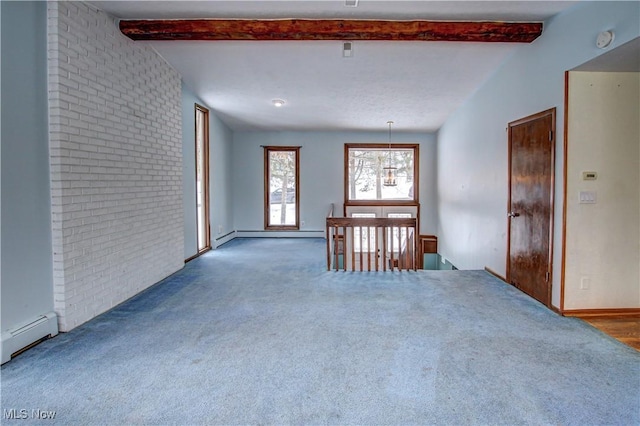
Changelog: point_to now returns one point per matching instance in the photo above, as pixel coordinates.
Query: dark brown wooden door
(530, 215)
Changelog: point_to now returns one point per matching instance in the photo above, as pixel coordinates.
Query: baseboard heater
(19, 338)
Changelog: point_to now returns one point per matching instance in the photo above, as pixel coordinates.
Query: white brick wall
(116, 163)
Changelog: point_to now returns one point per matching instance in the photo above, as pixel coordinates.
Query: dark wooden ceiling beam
(333, 29)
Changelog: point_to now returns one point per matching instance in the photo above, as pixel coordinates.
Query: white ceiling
(415, 84)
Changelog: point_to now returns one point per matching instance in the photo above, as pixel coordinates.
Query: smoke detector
(604, 39)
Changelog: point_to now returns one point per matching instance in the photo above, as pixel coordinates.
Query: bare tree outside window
(365, 172)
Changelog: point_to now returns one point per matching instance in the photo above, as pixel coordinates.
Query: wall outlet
(219, 229)
(302, 223)
(585, 282)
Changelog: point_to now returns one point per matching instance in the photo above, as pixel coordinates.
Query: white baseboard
(280, 234)
(22, 336)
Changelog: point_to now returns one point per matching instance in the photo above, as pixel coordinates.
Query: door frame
(205, 179)
(532, 117)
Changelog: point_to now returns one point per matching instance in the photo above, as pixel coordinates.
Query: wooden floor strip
(623, 328)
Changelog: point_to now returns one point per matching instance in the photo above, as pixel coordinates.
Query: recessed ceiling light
(351, 3)
(278, 102)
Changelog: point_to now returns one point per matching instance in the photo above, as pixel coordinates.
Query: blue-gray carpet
(257, 332)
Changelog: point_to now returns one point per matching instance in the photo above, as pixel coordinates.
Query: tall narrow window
(202, 178)
(281, 194)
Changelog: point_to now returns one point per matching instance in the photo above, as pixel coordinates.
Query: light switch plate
(589, 175)
(588, 197)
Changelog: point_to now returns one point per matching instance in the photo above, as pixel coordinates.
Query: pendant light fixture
(389, 173)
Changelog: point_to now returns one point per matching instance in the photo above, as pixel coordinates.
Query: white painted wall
(220, 140)
(116, 163)
(27, 278)
(220, 180)
(321, 174)
(603, 239)
(472, 144)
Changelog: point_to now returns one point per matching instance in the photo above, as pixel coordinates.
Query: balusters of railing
(342, 243)
(375, 249)
(331, 246)
(399, 248)
(383, 248)
(360, 252)
(410, 249)
(338, 243)
(391, 242)
(392, 260)
(406, 250)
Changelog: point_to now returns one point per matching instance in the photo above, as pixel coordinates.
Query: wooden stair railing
(371, 244)
(330, 247)
(407, 258)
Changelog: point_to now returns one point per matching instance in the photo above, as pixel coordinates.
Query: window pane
(366, 173)
(397, 234)
(364, 239)
(282, 194)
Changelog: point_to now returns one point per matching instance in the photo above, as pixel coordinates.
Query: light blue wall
(27, 277)
(220, 139)
(472, 145)
(321, 174)
(220, 179)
